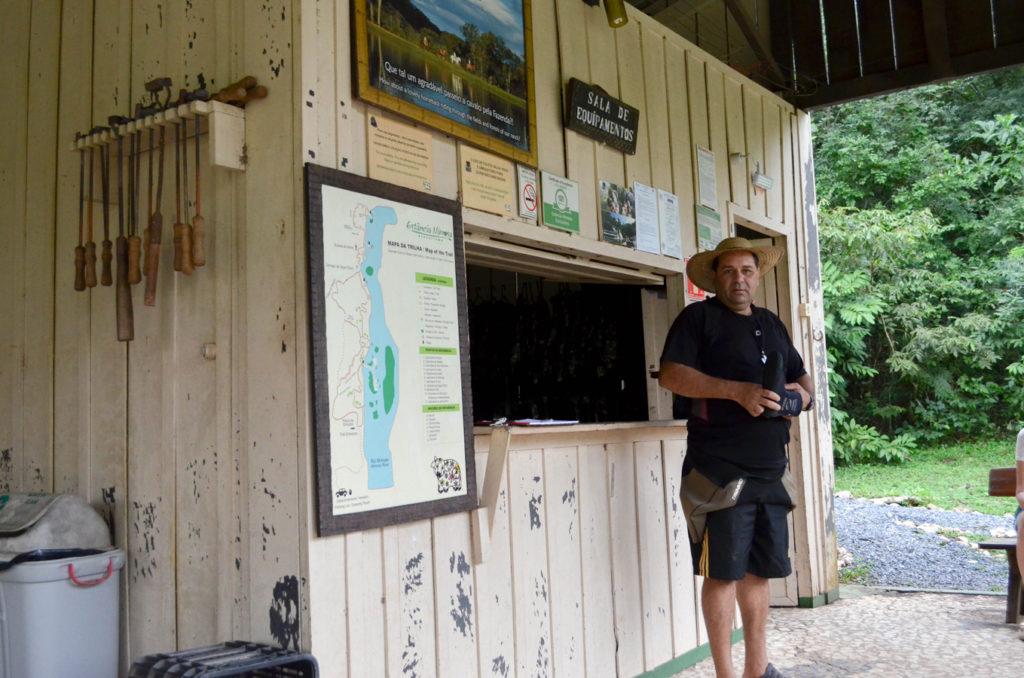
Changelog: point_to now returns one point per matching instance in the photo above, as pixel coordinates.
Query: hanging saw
(80, 248)
(154, 87)
(198, 222)
(90, 244)
(122, 292)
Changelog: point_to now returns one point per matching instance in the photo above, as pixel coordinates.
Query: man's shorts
(749, 537)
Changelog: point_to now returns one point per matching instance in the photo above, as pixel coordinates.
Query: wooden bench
(1002, 482)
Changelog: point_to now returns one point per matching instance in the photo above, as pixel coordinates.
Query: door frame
(786, 592)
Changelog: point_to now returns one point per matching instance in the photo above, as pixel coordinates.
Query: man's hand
(805, 397)
(755, 399)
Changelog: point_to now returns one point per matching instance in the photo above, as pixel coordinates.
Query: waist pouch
(701, 496)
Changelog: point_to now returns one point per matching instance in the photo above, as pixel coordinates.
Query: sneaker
(772, 672)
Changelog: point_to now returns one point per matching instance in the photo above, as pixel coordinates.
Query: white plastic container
(60, 617)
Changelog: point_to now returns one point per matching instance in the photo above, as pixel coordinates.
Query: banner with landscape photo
(465, 60)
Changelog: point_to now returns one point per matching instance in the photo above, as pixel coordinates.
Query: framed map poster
(464, 67)
(390, 353)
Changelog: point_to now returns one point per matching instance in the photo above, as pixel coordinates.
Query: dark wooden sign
(596, 114)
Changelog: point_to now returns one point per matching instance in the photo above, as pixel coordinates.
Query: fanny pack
(701, 496)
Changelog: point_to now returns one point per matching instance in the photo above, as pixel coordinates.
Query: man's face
(736, 279)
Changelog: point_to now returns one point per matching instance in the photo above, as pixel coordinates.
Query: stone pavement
(870, 632)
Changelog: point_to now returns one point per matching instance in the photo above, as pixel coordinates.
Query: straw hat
(699, 267)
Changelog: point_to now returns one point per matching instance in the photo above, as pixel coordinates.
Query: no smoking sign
(527, 179)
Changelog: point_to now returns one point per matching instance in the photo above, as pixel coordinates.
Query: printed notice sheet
(668, 216)
(648, 238)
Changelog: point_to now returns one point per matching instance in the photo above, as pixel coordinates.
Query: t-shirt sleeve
(1020, 445)
(682, 345)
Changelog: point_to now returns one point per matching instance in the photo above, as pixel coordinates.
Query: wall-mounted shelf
(225, 123)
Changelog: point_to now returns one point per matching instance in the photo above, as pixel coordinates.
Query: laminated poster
(648, 237)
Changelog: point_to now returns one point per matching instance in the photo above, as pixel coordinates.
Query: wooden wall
(194, 460)
(204, 465)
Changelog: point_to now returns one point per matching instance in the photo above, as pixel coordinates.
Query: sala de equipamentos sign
(594, 113)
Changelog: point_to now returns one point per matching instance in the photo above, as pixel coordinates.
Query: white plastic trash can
(60, 617)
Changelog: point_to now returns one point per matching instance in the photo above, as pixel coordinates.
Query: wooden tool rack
(225, 125)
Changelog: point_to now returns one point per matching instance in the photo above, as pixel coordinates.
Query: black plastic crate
(235, 658)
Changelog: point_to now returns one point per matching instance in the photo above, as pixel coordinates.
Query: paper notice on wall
(648, 237)
(706, 178)
(693, 293)
(488, 181)
(399, 154)
(668, 218)
(709, 228)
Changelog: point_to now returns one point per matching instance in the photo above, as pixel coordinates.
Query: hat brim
(700, 273)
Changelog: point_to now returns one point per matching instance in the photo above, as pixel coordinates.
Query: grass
(855, 574)
(950, 476)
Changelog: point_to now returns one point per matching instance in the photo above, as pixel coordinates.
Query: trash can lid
(18, 512)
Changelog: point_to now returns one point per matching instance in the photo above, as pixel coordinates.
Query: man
(715, 359)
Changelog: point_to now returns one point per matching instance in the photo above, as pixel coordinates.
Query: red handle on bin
(95, 582)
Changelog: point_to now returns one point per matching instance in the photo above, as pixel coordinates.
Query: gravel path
(920, 547)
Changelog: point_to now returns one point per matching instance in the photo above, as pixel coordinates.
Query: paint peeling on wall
(461, 601)
(284, 612)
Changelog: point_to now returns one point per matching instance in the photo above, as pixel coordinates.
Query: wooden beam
(881, 83)
(761, 49)
(936, 37)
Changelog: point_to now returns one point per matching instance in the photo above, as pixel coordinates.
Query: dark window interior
(555, 350)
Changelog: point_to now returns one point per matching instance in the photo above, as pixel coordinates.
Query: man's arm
(692, 383)
(1020, 484)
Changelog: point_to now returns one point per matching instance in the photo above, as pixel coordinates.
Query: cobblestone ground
(890, 635)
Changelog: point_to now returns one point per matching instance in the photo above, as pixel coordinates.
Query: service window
(555, 350)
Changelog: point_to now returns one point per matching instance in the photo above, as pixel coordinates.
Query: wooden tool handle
(230, 95)
(153, 258)
(257, 92)
(245, 83)
(178, 251)
(105, 257)
(198, 241)
(90, 264)
(79, 268)
(134, 253)
(125, 316)
(187, 265)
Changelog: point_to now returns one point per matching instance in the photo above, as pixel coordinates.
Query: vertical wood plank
(773, 157)
(37, 249)
(737, 141)
(563, 542)
(15, 32)
(753, 119)
(595, 551)
(152, 464)
(108, 387)
(787, 188)
(547, 88)
(656, 602)
(580, 159)
(684, 622)
(696, 89)
(493, 579)
(629, 629)
(454, 597)
(719, 143)
(200, 552)
(274, 528)
(608, 162)
(530, 572)
(351, 112)
(682, 152)
(408, 586)
(656, 106)
(71, 309)
(632, 90)
(364, 572)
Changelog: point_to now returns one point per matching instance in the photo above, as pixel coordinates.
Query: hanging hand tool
(155, 227)
(178, 226)
(149, 201)
(198, 223)
(80, 248)
(105, 278)
(235, 90)
(123, 293)
(90, 245)
(186, 225)
(134, 187)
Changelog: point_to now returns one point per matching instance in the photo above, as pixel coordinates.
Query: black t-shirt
(724, 440)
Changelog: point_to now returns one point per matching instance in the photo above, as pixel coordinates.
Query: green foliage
(921, 211)
(949, 476)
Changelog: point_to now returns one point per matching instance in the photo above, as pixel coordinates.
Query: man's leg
(752, 594)
(1020, 560)
(718, 601)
